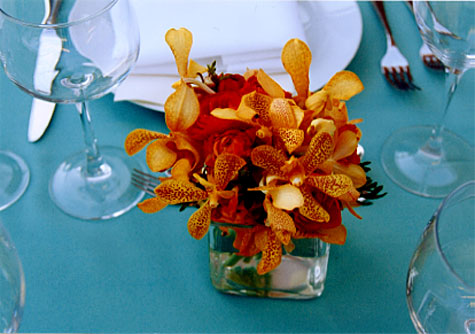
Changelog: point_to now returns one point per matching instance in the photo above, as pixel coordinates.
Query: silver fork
(425, 53)
(394, 66)
(144, 181)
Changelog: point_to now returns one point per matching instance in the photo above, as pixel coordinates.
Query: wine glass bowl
(12, 285)
(441, 275)
(96, 50)
(448, 32)
(72, 52)
(431, 160)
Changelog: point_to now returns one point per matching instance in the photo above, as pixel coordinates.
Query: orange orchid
(277, 166)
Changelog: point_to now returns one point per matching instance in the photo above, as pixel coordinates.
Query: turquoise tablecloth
(144, 273)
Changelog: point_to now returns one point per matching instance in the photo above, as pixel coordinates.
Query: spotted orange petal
(179, 191)
(151, 205)
(139, 138)
(180, 42)
(269, 85)
(334, 185)
(281, 223)
(182, 108)
(296, 58)
(159, 156)
(281, 114)
(260, 103)
(199, 222)
(226, 168)
(311, 209)
(271, 254)
(292, 138)
(268, 158)
(319, 150)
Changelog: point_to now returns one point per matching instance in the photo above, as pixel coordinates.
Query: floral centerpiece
(266, 168)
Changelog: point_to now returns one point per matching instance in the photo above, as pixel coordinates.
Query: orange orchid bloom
(175, 191)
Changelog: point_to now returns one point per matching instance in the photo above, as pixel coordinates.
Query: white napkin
(237, 34)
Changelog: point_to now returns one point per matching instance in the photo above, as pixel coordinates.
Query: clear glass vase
(301, 274)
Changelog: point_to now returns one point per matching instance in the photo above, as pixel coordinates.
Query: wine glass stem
(94, 160)
(452, 79)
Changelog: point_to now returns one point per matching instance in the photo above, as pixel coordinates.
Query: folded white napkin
(238, 34)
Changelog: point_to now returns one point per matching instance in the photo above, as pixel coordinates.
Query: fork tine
(144, 181)
(398, 78)
(410, 82)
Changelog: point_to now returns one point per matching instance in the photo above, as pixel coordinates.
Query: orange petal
(292, 138)
(194, 68)
(179, 191)
(183, 144)
(226, 168)
(271, 254)
(269, 85)
(319, 150)
(281, 114)
(182, 108)
(199, 222)
(139, 138)
(181, 169)
(335, 235)
(286, 197)
(180, 42)
(344, 85)
(296, 58)
(355, 172)
(268, 158)
(159, 156)
(311, 209)
(151, 205)
(346, 144)
(316, 101)
(334, 185)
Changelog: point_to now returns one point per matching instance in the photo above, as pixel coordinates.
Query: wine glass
(430, 160)
(82, 51)
(14, 178)
(12, 285)
(441, 276)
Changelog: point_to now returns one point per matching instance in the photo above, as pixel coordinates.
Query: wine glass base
(14, 178)
(410, 162)
(104, 196)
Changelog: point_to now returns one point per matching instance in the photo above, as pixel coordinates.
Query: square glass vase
(300, 275)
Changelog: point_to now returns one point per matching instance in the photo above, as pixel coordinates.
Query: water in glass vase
(300, 275)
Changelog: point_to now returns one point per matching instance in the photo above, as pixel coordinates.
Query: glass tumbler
(441, 276)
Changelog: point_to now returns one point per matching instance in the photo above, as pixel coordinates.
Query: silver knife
(49, 52)
(40, 117)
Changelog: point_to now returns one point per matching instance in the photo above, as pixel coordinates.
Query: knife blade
(40, 117)
(49, 51)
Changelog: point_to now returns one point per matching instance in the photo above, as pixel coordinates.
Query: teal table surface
(144, 273)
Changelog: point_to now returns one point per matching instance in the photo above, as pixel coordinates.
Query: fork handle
(379, 7)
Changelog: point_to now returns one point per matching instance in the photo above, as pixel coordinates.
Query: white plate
(333, 31)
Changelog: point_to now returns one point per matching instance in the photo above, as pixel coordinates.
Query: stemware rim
(106, 8)
(467, 184)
